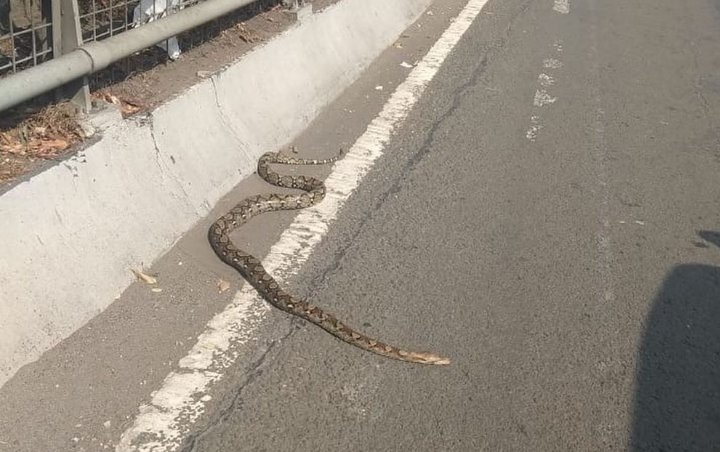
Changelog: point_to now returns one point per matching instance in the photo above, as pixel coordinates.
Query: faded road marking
(535, 127)
(552, 63)
(562, 6)
(542, 98)
(546, 80)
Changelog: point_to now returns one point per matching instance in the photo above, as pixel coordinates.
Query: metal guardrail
(48, 44)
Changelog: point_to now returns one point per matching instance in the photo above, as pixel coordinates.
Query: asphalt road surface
(548, 216)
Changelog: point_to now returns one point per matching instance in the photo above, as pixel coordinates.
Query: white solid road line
(161, 425)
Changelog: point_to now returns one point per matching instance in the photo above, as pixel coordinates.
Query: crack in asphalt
(458, 96)
(254, 372)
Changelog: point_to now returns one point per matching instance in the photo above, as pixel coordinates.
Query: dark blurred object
(677, 403)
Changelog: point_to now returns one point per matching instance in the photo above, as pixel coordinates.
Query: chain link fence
(25, 34)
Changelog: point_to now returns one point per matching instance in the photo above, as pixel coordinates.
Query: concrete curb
(71, 233)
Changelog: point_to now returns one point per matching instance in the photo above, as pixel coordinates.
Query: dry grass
(46, 134)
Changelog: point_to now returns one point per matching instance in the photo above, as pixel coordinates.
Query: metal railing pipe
(98, 55)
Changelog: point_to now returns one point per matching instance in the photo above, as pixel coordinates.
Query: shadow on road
(677, 403)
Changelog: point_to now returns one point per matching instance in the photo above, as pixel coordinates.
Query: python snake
(252, 270)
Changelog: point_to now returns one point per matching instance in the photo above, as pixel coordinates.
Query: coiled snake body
(252, 270)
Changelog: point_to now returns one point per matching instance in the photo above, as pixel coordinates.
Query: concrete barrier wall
(70, 234)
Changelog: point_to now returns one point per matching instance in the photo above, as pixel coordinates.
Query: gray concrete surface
(557, 236)
(128, 198)
(565, 276)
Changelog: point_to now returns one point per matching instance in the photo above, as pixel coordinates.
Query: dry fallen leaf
(223, 285)
(51, 144)
(247, 35)
(17, 149)
(128, 109)
(112, 99)
(127, 106)
(148, 279)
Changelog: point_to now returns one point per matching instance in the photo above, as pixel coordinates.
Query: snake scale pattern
(252, 270)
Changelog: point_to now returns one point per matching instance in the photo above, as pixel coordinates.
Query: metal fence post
(67, 36)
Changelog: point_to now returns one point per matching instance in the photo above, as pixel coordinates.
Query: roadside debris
(148, 279)
(247, 35)
(223, 285)
(46, 134)
(127, 106)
